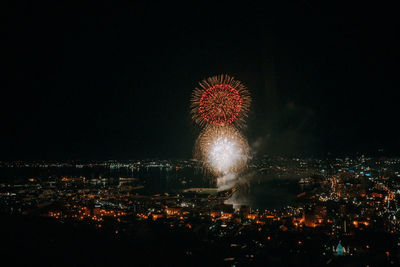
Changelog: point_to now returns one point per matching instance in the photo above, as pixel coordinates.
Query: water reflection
(257, 190)
(268, 192)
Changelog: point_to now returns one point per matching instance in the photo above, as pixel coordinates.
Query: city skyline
(297, 211)
(195, 134)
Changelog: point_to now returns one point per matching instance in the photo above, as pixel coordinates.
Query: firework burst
(220, 100)
(222, 150)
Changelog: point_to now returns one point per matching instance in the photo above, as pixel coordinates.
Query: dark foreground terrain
(43, 241)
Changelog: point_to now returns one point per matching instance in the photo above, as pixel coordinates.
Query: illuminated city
(247, 133)
(335, 201)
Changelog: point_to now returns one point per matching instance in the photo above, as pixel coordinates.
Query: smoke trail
(226, 182)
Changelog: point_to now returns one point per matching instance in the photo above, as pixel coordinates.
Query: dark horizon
(111, 82)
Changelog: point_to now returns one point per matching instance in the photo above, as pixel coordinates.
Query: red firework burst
(220, 100)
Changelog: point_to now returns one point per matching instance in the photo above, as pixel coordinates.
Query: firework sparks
(222, 149)
(221, 100)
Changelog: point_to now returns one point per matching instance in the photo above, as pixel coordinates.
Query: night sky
(114, 82)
